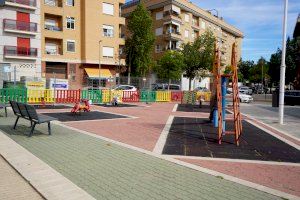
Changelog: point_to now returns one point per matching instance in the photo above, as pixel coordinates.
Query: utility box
(275, 98)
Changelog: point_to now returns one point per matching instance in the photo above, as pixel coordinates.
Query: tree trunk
(169, 84)
(129, 73)
(190, 84)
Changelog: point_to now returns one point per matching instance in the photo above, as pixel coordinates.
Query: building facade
(77, 35)
(180, 21)
(20, 36)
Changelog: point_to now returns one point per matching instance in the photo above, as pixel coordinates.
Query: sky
(259, 20)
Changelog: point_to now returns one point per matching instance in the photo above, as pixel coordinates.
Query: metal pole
(100, 63)
(283, 66)
(15, 76)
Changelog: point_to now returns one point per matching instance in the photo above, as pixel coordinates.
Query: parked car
(245, 90)
(292, 97)
(163, 86)
(125, 88)
(245, 98)
(201, 89)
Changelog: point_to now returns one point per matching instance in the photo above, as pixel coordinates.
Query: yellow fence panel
(37, 96)
(203, 95)
(163, 96)
(108, 95)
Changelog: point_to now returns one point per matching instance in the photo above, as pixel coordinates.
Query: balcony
(172, 15)
(52, 28)
(14, 26)
(13, 52)
(26, 4)
(172, 34)
(53, 3)
(54, 51)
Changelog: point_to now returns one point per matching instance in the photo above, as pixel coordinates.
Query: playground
(104, 141)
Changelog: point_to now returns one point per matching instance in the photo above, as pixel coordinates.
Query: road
(264, 112)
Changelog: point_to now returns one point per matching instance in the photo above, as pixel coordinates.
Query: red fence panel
(131, 96)
(67, 96)
(176, 95)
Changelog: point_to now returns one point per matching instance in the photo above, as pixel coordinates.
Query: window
(70, 2)
(158, 48)
(193, 34)
(108, 8)
(186, 33)
(159, 31)
(108, 31)
(108, 52)
(187, 17)
(71, 45)
(70, 23)
(203, 25)
(159, 15)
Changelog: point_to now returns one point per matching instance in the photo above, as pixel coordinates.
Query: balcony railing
(171, 12)
(52, 28)
(20, 51)
(54, 3)
(173, 31)
(24, 2)
(19, 25)
(53, 51)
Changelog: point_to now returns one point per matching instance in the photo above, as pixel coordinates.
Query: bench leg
(16, 122)
(49, 128)
(32, 129)
(5, 111)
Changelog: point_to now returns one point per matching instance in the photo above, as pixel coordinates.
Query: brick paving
(284, 178)
(13, 186)
(109, 171)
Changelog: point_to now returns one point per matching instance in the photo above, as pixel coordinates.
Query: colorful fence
(67, 96)
(147, 96)
(94, 95)
(40, 96)
(131, 96)
(108, 95)
(163, 96)
(99, 96)
(13, 94)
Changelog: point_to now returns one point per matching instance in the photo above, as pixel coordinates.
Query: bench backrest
(32, 112)
(23, 110)
(15, 108)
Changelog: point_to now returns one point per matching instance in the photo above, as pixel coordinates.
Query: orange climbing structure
(236, 102)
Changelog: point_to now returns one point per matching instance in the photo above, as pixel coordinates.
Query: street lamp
(100, 63)
(283, 66)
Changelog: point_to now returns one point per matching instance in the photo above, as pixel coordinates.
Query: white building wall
(27, 68)
(197, 82)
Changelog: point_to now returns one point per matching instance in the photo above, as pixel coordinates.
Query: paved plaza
(120, 159)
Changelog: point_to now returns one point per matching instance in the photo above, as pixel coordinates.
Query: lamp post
(283, 66)
(100, 63)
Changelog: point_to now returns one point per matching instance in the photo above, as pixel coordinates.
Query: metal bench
(28, 112)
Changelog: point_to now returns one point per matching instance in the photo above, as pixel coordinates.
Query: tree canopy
(198, 55)
(139, 46)
(170, 66)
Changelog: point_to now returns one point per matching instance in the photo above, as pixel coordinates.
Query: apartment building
(180, 21)
(20, 56)
(77, 35)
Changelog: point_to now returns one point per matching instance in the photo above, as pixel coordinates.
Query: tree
(170, 66)
(139, 46)
(292, 58)
(198, 55)
(244, 68)
(259, 72)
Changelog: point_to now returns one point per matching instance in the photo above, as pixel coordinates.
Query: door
(23, 46)
(23, 21)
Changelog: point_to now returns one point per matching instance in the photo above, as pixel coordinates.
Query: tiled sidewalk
(109, 171)
(13, 186)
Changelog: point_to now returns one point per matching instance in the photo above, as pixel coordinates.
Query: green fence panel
(14, 94)
(148, 96)
(94, 95)
(189, 97)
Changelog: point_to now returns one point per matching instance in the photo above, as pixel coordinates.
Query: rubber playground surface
(261, 158)
(197, 137)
